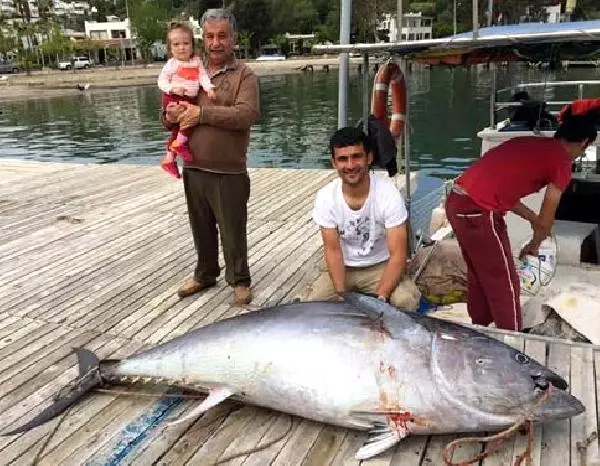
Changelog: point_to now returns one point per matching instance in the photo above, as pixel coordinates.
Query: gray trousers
(218, 199)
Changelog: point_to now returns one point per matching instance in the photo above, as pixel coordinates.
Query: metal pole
(490, 12)
(399, 21)
(475, 19)
(406, 71)
(345, 18)
(366, 93)
(130, 32)
(493, 96)
(454, 17)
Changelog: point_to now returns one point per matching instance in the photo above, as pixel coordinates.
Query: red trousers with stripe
(493, 283)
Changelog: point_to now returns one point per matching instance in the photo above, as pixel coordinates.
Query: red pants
(493, 283)
(168, 98)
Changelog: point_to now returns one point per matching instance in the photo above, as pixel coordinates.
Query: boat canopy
(527, 41)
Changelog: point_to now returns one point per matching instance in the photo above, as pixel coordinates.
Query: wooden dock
(92, 255)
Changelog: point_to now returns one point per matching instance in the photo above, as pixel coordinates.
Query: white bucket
(537, 271)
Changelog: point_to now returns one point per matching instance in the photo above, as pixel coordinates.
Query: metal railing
(501, 105)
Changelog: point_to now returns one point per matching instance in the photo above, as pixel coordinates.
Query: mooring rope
(497, 440)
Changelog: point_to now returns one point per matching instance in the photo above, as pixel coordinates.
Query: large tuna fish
(359, 363)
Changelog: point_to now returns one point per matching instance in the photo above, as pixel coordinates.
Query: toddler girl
(180, 80)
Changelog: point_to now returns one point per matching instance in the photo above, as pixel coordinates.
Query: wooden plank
(409, 452)
(556, 444)
(584, 426)
(437, 443)
(277, 435)
(60, 303)
(508, 450)
(277, 253)
(28, 216)
(112, 313)
(68, 242)
(299, 442)
(53, 232)
(537, 351)
(189, 440)
(33, 281)
(353, 441)
(236, 424)
(38, 346)
(127, 208)
(26, 342)
(109, 281)
(325, 447)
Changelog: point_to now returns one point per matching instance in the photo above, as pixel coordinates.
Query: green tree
(366, 16)
(585, 10)
(329, 29)
(295, 16)
(57, 44)
(253, 19)
(149, 22)
(7, 38)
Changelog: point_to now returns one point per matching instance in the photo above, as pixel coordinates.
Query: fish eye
(479, 361)
(522, 358)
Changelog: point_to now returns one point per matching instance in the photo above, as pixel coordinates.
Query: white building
(115, 39)
(115, 29)
(61, 8)
(553, 13)
(415, 26)
(8, 10)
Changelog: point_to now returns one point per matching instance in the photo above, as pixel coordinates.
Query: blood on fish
(392, 371)
(383, 398)
(400, 420)
(377, 326)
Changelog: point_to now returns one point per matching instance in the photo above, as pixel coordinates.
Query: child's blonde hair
(185, 28)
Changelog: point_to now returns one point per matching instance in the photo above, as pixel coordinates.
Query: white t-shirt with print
(362, 232)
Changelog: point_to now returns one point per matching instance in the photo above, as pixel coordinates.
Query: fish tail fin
(88, 379)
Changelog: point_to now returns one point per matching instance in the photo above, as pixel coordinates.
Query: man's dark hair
(521, 95)
(348, 136)
(576, 129)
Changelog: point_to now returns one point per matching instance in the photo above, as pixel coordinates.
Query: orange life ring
(390, 75)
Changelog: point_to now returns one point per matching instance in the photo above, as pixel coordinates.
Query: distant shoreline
(54, 83)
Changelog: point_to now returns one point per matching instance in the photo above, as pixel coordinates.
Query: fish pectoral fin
(381, 437)
(213, 399)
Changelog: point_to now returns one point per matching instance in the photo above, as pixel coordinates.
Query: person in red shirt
(494, 185)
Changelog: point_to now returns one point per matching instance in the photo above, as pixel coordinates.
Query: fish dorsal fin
(381, 437)
(214, 397)
(379, 310)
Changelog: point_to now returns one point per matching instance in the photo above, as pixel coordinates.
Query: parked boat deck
(92, 255)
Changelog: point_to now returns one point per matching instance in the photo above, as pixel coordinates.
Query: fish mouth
(560, 405)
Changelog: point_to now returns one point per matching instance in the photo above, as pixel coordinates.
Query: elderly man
(216, 182)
